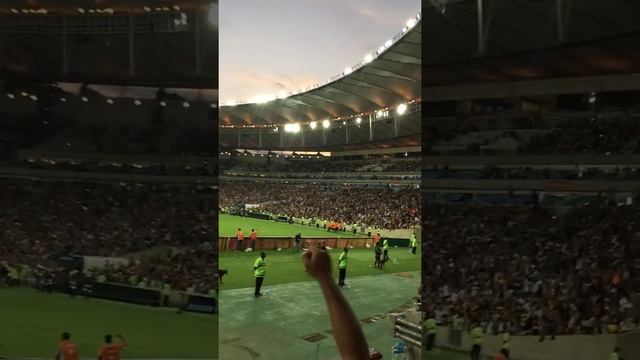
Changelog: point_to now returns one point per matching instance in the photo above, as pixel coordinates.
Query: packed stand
(324, 165)
(533, 270)
(378, 207)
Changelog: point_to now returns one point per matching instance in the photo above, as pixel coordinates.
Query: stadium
(331, 165)
(108, 178)
(530, 179)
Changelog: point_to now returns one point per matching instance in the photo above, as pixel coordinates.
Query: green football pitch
(438, 354)
(286, 266)
(229, 224)
(33, 321)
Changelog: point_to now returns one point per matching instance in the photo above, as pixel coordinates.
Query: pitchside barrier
(582, 347)
(284, 242)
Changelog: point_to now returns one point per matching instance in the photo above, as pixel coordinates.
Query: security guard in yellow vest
(385, 250)
(259, 271)
(342, 266)
(477, 335)
(430, 329)
(413, 244)
(506, 343)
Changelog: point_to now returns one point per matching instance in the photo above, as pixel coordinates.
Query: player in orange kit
(67, 349)
(111, 351)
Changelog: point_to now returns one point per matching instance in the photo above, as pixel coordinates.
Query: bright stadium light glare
(11, 96)
(81, 10)
(411, 22)
(368, 58)
(292, 128)
(326, 124)
(15, 11)
(262, 99)
(147, 9)
(358, 120)
(282, 94)
(348, 70)
(176, 7)
(214, 105)
(402, 108)
(24, 93)
(313, 125)
(186, 104)
(231, 103)
(33, 97)
(63, 100)
(163, 104)
(110, 101)
(388, 43)
(84, 99)
(137, 102)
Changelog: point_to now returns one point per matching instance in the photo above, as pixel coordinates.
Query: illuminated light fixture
(282, 94)
(91, 11)
(262, 99)
(313, 125)
(158, 9)
(379, 113)
(177, 22)
(402, 108)
(163, 104)
(11, 96)
(84, 99)
(231, 103)
(214, 105)
(358, 120)
(99, 11)
(147, 9)
(176, 7)
(81, 10)
(110, 101)
(137, 102)
(33, 97)
(275, 129)
(411, 22)
(368, 58)
(109, 10)
(164, 8)
(63, 100)
(25, 11)
(24, 93)
(292, 128)
(381, 49)
(344, 123)
(185, 104)
(15, 11)
(348, 70)
(388, 44)
(326, 124)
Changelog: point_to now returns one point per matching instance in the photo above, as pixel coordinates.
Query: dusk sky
(275, 45)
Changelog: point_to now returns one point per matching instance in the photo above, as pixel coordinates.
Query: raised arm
(346, 330)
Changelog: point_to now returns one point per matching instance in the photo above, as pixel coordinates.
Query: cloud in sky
(268, 46)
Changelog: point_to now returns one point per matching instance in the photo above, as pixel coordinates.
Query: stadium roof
(391, 78)
(528, 40)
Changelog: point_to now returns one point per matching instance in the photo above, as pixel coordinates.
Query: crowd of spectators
(569, 137)
(538, 173)
(378, 207)
(533, 270)
(41, 221)
(319, 166)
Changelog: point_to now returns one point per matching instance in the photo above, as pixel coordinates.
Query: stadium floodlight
(231, 103)
(164, 8)
(109, 10)
(262, 99)
(292, 128)
(401, 109)
(348, 70)
(186, 104)
(313, 125)
(358, 120)
(33, 97)
(91, 11)
(84, 99)
(15, 11)
(24, 93)
(344, 123)
(81, 10)
(326, 124)
(158, 8)
(147, 9)
(214, 105)
(411, 22)
(63, 100)
(163, 103)
(110, 101)
(368, 58)
(137, 102)
(11, 96)
(387, 44)
(282, 94)
(275, 129)
(176, 7)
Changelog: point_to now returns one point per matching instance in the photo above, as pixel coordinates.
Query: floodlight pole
(197, 44)
(560, 23)
(132, 65)
(65, 60)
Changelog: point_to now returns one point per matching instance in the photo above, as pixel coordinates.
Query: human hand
(317, 263)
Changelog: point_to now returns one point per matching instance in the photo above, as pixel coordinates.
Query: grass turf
(229, 224)
(286, 266)
(437, 354)
(32, 323)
